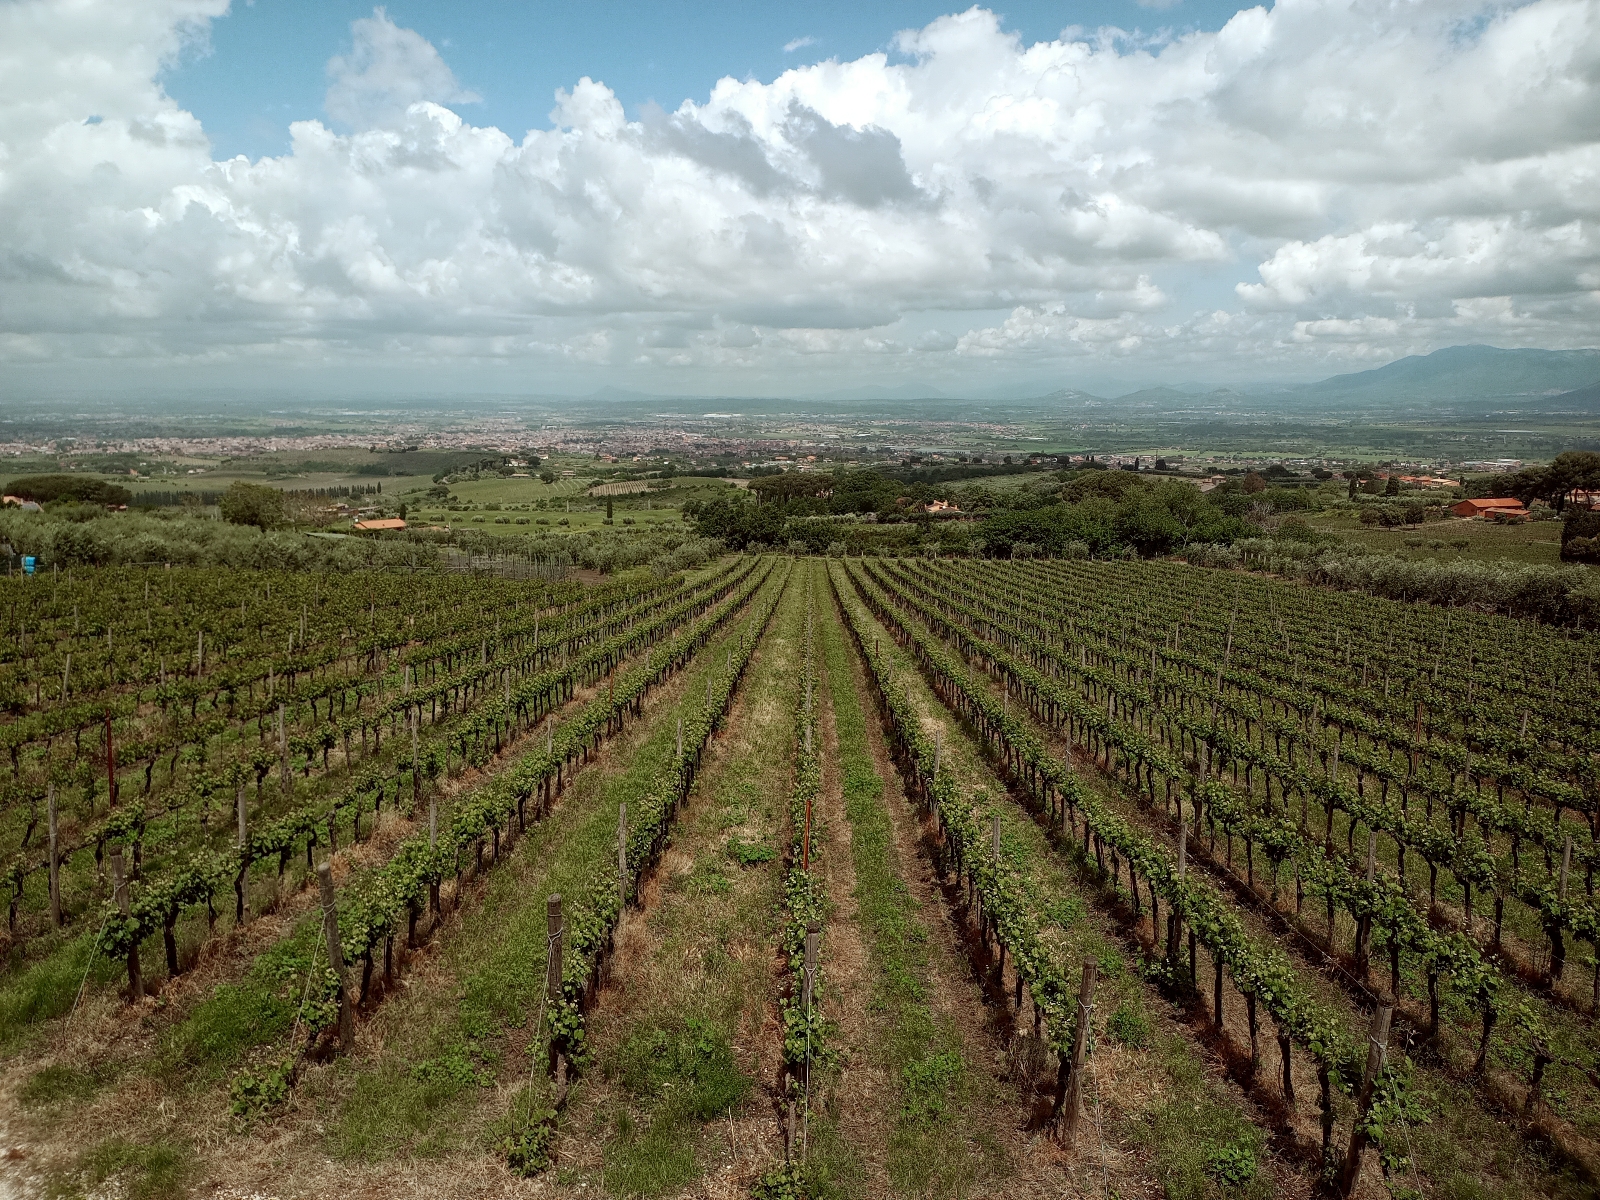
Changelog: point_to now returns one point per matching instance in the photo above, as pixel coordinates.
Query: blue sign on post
(28, 562)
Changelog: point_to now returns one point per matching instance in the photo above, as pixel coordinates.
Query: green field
(1534, 543)
(579, 833)
(502, 505)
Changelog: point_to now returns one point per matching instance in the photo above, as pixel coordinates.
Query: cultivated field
(791, 877)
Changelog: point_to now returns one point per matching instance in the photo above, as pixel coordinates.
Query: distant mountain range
(1473, 376)
(1461, 372)
(1476, 378)
(904, 391)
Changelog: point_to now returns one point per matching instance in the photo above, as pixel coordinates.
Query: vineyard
(792, 877)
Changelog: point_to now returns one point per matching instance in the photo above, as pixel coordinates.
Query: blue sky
(264, 65)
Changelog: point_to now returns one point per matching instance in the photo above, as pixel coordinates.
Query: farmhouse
(379, 525)
(1487, 508)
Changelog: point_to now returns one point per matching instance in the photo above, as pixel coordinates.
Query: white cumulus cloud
(387, 71)
(1358, 178)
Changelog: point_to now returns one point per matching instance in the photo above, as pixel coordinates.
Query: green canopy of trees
(252, 504)
(1572, 470)
(85, 488)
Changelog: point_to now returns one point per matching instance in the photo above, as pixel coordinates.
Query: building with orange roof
(1485, 508)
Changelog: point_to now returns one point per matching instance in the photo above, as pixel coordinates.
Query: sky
(721, 199)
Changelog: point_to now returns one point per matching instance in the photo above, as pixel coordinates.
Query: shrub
(250, 1094)
(1295, 529)
(529, 1132)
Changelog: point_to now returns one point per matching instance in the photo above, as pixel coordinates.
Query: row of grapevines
(1377, 903)
(804, 897)
(1261, 974)
(385, 902)
(480, 713)
(159, 903)
(1179, 705)
(591, 911)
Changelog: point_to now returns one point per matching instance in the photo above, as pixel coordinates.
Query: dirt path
(684, 1038)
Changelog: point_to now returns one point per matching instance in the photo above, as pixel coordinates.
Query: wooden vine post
(1558, 946)
(1070, 1093)
(241, 885)
(119, 890)
(283, 757)
(330, 931)
(55, 863)
(555, 934)
(622, 856)
(111, 765)
(416, 774)
(1174, 918)
(1377, 1052)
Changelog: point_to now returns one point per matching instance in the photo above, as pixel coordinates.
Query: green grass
(60, 1084)
(48, 987)
(1201, 1144)
(929, 1153)
(1536, 542)
(523, 506)
(444, 1043)
(678, 1075)
(153, 1170)
(236, 1018)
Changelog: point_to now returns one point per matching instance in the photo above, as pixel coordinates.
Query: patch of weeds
(1111, 963)
(60, 1084)
(749, 854)
(707, 878)
(251, 1095)
(1129, 1026)
(457, 1069)
(526, 1134)
(783, 1182)
(693, 1064)
(1066, 911)
(1200, 1142)
(147, 1171)
(1233, 1163)
(927, 1086)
